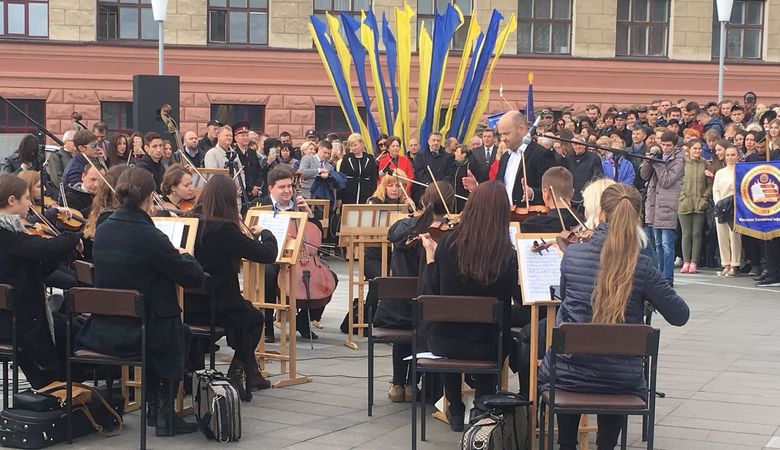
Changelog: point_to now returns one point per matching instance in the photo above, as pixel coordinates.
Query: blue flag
(757, 199)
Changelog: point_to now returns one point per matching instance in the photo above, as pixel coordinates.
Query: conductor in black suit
(487, 153)
(513, 127)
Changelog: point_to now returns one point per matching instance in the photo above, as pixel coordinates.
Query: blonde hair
(381, 189)
(591, 200)
(619, 255)
(305, 147)
(501, 150)
(31, 177)
(353, 139)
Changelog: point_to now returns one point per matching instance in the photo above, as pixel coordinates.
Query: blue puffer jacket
(606, 374)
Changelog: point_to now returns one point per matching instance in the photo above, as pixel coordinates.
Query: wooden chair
(85, 273)
(105, 302)
(453, 309)
(388, 289)
(8, 349)
(210, 331)
(625, 340)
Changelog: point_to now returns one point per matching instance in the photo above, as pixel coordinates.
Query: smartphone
(272, 151)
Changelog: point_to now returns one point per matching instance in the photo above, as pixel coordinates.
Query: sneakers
(762, 277)
(396, 393)
(685, 267)
(456, 421)
(693, 268)
(770, 281)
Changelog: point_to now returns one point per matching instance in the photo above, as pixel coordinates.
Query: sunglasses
(383, 144)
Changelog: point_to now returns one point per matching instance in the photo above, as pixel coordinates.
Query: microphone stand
(608, 149)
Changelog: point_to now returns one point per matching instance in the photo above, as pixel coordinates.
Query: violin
(37, 229)
(576, 235)
(519, 214)
(74, 222)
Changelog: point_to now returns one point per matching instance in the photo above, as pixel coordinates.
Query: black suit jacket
(479, 155)
(537, 160)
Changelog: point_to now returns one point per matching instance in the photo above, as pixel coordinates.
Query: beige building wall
(72, 20)
(594, 27)
(690, 30)
(771, 51)
(288, 23)
(186, 22)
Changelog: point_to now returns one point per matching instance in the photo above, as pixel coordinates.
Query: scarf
(11, 223)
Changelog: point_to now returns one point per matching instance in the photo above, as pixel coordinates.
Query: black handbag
(34, 401)
(724, 210)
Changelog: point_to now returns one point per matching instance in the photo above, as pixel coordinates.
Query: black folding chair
(625, 340)
(85, 273)
(212, 331)
(8, 349)
(453, 309)
(105, 302)
(388, 289)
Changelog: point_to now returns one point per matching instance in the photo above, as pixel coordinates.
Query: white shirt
(510, 174)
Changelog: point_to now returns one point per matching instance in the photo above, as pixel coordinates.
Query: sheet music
(277, 224)
(539, 271)
(174, 230)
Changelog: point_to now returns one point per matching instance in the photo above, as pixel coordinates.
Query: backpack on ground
(216, 405)
(499, 422)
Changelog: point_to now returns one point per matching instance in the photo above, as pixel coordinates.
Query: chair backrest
(602, 339)
(458, 309)
(6, 297)
(105, 302)
(396, 288)
(84, 273)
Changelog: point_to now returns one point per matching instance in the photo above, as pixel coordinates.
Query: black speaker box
(150, 93)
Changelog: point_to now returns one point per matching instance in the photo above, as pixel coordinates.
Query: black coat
(607, 374)
(79, 199)
(538, 160)
(251, 164)
(478, 154)
(548, 223)
(584, 168)
(155, 168)
(361, 176)
(130, 253)
(205, 144)
(441, 163)
(24, 263)
(477, 169)
(197, 160)
(442, 277)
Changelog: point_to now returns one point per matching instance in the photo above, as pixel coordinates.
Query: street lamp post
(160, 10)
(724, 15)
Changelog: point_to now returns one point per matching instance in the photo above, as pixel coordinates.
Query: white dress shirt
(510, 174)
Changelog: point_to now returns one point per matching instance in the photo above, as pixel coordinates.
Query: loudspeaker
(150, 93)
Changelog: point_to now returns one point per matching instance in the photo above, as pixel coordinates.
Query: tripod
(232, 165)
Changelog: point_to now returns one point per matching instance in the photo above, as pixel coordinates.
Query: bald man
(194, 153)
(513, 127)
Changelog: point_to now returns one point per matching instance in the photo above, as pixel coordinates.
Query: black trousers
(773, 256)
(242, 323)
(401, 374)
(606, 438)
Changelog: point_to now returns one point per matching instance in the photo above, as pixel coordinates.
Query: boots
(151, 412)
(255, 379)
(168, 423)
(237, 375)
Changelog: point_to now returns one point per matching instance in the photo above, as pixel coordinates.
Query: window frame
(335, 111)
(112, 131)
(215, 114)
(552, 21)
(632, 24)
(26, 35)
(227, 9)
(139, 6)
(741, 27)
(23, 104)
(430, 18)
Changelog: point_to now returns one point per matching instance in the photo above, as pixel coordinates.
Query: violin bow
(433, 181)
(558, 210)
(45, 221)
(98, 171)
(566, 204)
(406, 196)
(388, 170)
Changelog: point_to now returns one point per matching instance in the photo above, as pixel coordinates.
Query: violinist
(220, 246)
(150, 264)
(86, 144)
(79, 195)
(104, 203)
(152, 161)
(178, 190)
(24, 263)
(557, 191)
(33, 180)
(608, 281)
(280, 195)
(475, 259)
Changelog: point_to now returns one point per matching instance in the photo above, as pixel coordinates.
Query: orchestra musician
(104, 203)
(79, 195)
(177, 188)
(608, 281)
(151, 265)
(462, 265)
(220, 246)
(557, 192)
(25, 260)
(280, 195)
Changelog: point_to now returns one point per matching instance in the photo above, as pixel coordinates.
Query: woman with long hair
(390, 190)
(694, 200)
(131, 253)
(477, 259)
(608, 281)
(118, 150)
(26, 156)
(104, 203)
(221, 244)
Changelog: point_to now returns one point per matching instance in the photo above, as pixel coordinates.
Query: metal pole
(721, 60)
(160, 47)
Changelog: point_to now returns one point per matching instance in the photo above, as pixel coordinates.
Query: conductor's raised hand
(469, 181)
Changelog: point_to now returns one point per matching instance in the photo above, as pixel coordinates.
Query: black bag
(30, 400)
(500, 423)
(216, 405)
(724, 210)
(20, 428)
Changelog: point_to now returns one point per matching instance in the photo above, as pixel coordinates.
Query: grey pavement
(719, 373)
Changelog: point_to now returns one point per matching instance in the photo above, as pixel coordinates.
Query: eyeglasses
(95, 145)
(383, 144)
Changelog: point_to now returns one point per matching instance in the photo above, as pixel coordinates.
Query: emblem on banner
(760, 190)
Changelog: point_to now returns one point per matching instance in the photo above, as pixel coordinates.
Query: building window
(642, 27)
(544, 27)
(24, 18)
(13, 122)
(426, 13)
(118, 116)
(238, 22)
(744, 32)
(330, 119)
(336, 7)
(230, 114)
(127, 19)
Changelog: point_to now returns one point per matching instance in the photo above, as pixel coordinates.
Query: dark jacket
(361, 174)
(479, 155)
(155, 168)
(584, 168)
(205, 144)
(251, 164)
(197, 160)
(24, 263)
(538, 160)
(549, 223)
(441, 163)
(219, 248)
(461, 170)
(78, 198)
(74, 169)
(442, 277)
(610, 374)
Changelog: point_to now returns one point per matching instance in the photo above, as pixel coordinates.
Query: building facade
(254, 59)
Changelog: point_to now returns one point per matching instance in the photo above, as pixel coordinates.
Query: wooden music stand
(535, 289)
(323, 203)
(208, 173)
(363, 226)
(254, 291)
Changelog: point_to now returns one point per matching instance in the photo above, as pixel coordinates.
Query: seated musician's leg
(245, 350)
(452, 391)
(568, 424)
(401, 374)
(271, 292)
(608, 432)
